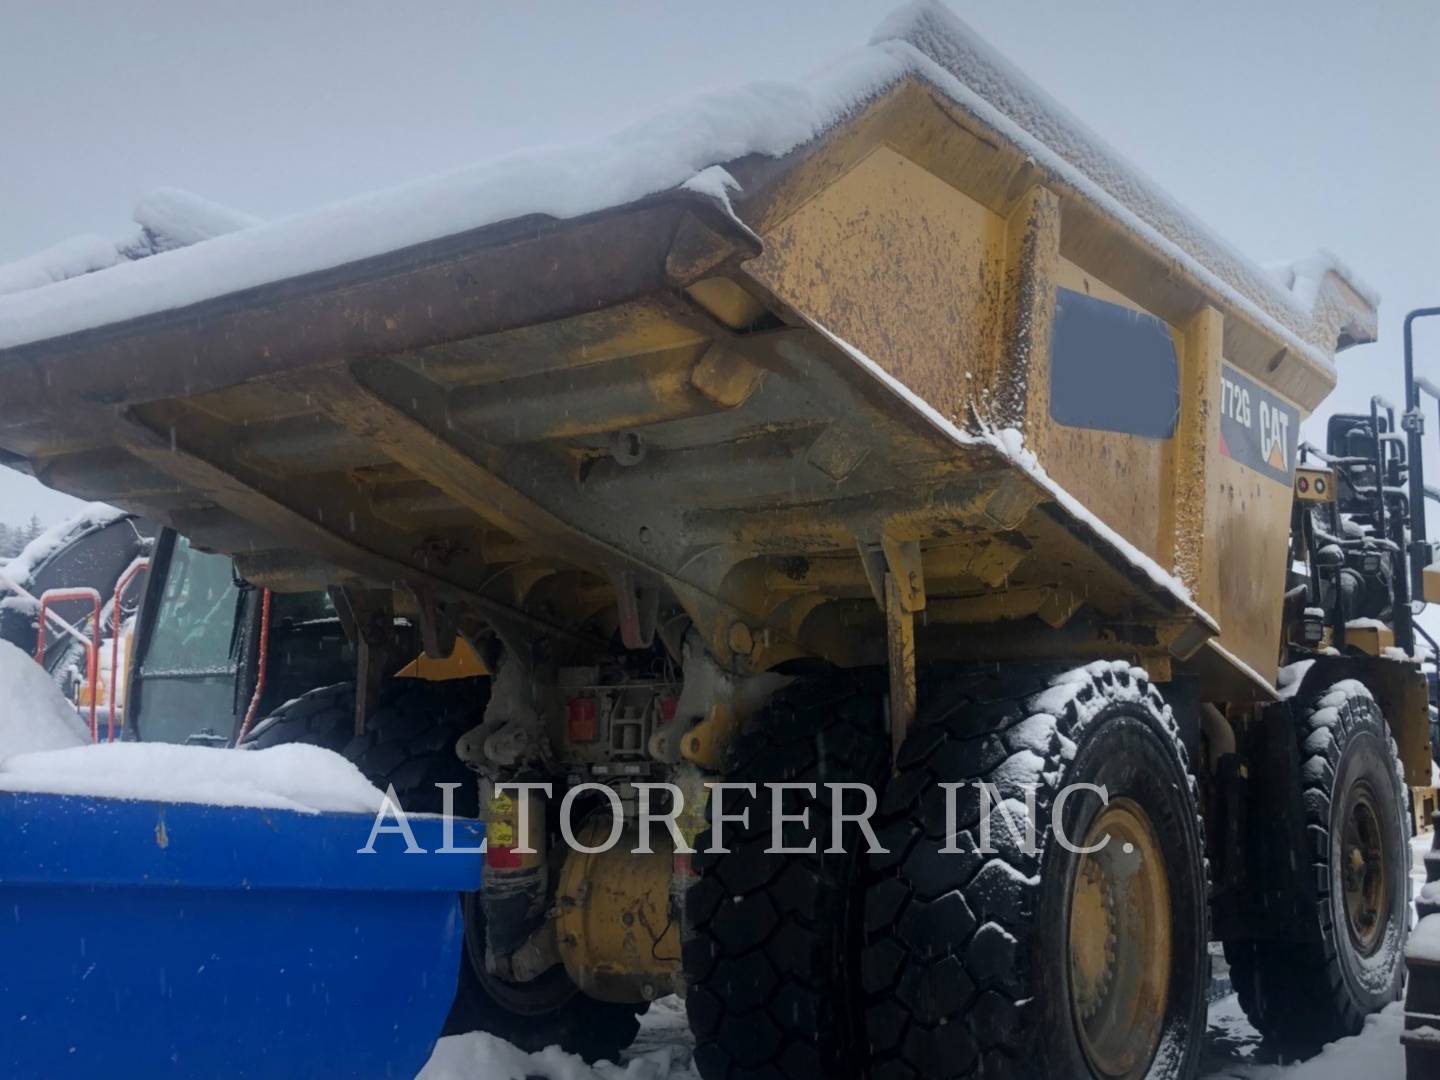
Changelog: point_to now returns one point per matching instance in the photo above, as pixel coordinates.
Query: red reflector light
(668, 705)
(580, 720)
(501, 858)
(1303, 484)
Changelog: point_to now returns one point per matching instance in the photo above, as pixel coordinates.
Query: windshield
(187, 678)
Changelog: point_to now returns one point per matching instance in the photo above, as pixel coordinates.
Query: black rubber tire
(409, 742)
(409, 739)
(1422, 988)
(595, 1030)
(324, 717)
(1301, 995)
(772, 947)
(966, 962)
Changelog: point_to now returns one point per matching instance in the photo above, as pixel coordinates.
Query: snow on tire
(1303, 994)
(968, 966)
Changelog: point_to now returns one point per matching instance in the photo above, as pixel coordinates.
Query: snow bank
(668, 150)
(464, 1057)
(293, 777)
(34, 715)
(1376, 1053)
(663, 1051)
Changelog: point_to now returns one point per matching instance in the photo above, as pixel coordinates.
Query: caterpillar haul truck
(930, 447)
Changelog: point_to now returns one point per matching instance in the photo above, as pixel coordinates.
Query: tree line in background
(13, 538)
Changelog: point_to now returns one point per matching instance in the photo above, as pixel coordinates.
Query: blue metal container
(142, 939)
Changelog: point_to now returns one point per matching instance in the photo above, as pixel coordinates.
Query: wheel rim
(1363, 880)
(1120, 943)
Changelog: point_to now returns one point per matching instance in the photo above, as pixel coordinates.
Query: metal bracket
(900, 649)
(437, 627)
(639, 605)
(368, 616)
(897, 578)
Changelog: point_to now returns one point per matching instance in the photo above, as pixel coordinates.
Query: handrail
(262, 652)
(7, 582)
(92, 647)
(1412, 422)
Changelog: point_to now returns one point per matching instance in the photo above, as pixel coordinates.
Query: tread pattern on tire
(1006, 728)
(1294, 992)
(324, 717)
(774, 940)
(409, 738)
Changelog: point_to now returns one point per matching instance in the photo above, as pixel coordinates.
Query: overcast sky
(1285, 125)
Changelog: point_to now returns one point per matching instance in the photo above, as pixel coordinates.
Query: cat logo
(1257, 428)
(1274, 436)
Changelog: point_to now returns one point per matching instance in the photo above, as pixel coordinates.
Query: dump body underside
(536, 472)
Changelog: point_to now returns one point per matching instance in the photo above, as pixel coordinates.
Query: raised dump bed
(734, 393)
(162, 939)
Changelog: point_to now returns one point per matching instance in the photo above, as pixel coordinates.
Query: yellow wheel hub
(1364, 882)
(1120, 943)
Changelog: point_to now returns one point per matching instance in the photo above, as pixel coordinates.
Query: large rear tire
(772, 955)
(1301, 995)
(1047, 962)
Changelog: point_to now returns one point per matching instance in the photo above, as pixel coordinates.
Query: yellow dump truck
(885, 436)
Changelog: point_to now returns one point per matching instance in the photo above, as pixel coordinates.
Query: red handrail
(262, 654)
(116, 627)
(92, 647)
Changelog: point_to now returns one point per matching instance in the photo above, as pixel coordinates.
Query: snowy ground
(1233, 1050)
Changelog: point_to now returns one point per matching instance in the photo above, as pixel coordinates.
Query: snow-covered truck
(885, 429)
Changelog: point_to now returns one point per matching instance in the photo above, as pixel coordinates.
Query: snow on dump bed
(296, 776)
(167, 219)
(665, 151)
(67, 259)
(34, 714)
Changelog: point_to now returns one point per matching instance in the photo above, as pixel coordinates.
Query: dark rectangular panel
(1112, 368)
